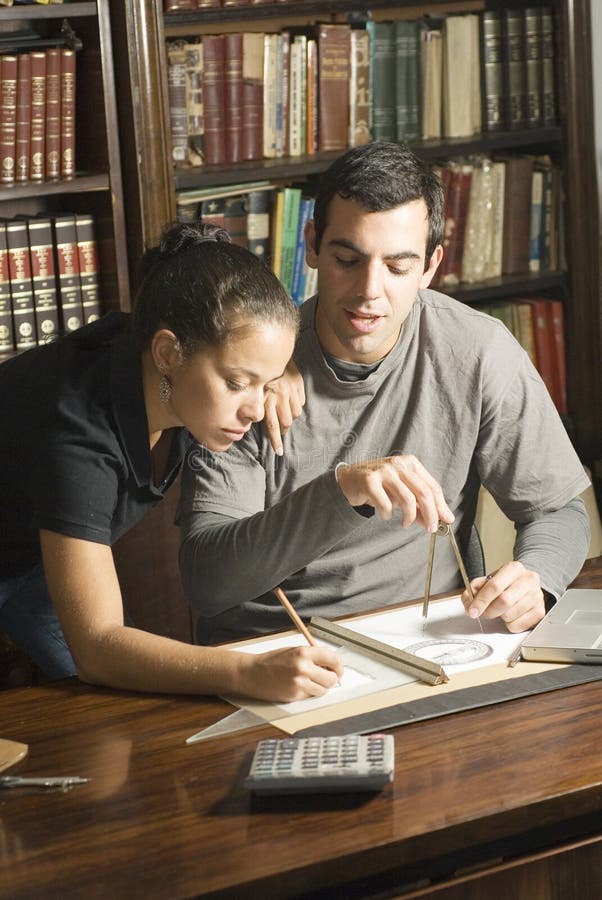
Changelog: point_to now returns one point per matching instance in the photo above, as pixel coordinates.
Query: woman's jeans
(28, 618)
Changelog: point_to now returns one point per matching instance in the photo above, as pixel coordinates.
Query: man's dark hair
(380, 176)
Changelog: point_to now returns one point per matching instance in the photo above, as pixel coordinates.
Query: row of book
(37, 115)
(503, 216)
(49, 278)
(268, 220)
(252, 95)
(188, 5)
(538, 324)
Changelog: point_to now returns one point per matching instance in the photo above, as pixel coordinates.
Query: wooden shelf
(81, 184)
(50, 11)
(505, 286)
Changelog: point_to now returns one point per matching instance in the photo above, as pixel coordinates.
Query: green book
(408, 87)
(290, 223)
(382, 71)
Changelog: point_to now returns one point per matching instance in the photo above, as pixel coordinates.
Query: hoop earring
(164, 389)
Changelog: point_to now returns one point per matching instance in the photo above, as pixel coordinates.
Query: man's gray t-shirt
(458, 392)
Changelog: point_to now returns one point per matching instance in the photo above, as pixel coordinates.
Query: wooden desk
(513, 789)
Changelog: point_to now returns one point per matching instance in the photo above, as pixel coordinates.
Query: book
(67, 270)
(533, 66)
(23, 124)
(359, 88)
(7, 334)
(431, 78)
(536, 220)
(548, 79)
(235, 219)
(252, 94)
(514, 68)
(213, 211)
(214, 98)
(288, 244)
(544, 165)
(276, 225)
(517, 214)
(497, 245)
(382, 80)
(8, 117)
(270, 94)
(87, 258)
(67, 113)
(297, 95)
(43, 280)
(176, 92)
(233, 96)
(52, 148)
(195, 124)
(542, 333)
(311, 98)
(492, 90)
(299, 268)
(461, 76)
(334, 45)
(407, 84)
(526, 335)
(282, 94)
(556, 317)
(258, 223)
(478, 236)
(21, 292)
(38, 116)
(457, 198)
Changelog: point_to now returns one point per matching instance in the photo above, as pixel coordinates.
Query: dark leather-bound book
(514, 68)
(492, 71)
(556, 315)
(7, 335)
(52, 152)
(8, 118)
(517, 214)
(67, 269)
(533, 67)
(21, 292)
(214, 98)
(457, 197)
(233, 96)
(334, 47)
(258, 222)
(176, 92)
(252, 87)
(548, 88)
(38, 116)
(67, 113)
(87, 258)
(408, 118)
(43, 279)
(382, 54)
(23, 129)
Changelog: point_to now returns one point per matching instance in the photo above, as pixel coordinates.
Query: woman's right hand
(291, 673)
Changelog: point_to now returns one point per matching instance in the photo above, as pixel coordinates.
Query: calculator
(348, 762)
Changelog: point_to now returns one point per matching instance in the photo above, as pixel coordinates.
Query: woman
(94, 431)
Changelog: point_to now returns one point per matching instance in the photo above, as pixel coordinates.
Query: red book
(19, 267)
(7, 336)
(213, 98)
(67, 113)
(233, 96)
(43, 279)
(517, 214)
(53, 115)
(544, 351)
(559, 354)
(8, 117)
(38, 116)
(334, 67)
(456, 207)
(23, 117)
(67, 269)
(87, 255)
(252, 95)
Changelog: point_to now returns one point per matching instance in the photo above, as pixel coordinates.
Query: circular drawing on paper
(451, 652)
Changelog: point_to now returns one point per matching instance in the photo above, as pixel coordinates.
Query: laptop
(571, 632)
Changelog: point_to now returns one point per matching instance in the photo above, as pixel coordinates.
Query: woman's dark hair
(380, 176)
(203, 288)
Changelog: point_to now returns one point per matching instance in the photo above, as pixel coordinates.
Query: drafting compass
(444, 529)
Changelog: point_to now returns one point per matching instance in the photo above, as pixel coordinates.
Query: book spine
(270, 88)
(297, 63)
(532, 52)
(179, 5)
(214, 98)
(252, 96)
(311, 121)
(176, 92)
(492, 71)
(514, 69)
(38, 116)
(382, 49)
(536, 219)
(559, 355)
(67, 269)
(290, 224)
(517, 215)
(258, 223)
(87, 259)
(8, 120)
(52, 151)
(526, 336)
(7, 334)
(548, 84)
(23, 129)
(235, 219)
(359, 88)
(543, 345)
(282, 94)
(456, 211)
(334, 45)
(233, 96)
(194, 103)
(19, 266)
(43, 279)
(407, 88)
(298, 281)
(213, 212)
(67, 113)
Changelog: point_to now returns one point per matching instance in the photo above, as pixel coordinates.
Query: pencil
(515, 657)
(290, 610)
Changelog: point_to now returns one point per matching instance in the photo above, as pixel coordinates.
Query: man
(413, 401)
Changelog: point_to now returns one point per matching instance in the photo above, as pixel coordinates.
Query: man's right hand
(396, 482)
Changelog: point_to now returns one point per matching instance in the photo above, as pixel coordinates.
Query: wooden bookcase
(97, 185)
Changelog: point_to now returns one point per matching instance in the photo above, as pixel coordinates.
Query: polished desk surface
(164, 819)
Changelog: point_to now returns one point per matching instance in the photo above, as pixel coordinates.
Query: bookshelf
(96, 187)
